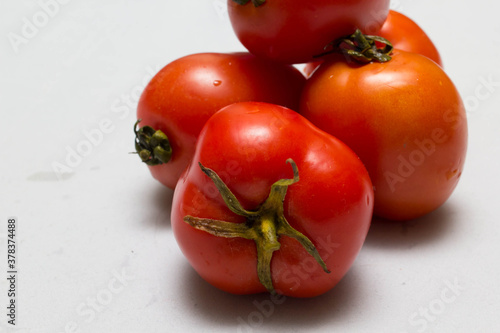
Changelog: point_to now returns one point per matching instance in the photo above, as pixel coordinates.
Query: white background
(108, 217)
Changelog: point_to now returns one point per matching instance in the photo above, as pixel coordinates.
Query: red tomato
(294, 31)
(405, 120)
(404, 34)
(329, 201)
(185, 93)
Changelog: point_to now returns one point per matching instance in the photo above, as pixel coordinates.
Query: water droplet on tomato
(217, 83)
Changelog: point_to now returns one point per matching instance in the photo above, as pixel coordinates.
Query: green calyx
(264, 226)
(152, 145)
(256, 3)
(361, 48)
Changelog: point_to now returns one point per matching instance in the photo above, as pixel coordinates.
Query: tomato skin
(405, 120)
(294, 31)
(186, 92)
(248, 144)
(404, 34)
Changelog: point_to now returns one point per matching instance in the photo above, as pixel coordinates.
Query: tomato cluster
(276, 173)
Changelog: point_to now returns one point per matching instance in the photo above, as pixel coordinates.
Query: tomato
(263, 177)
(294, 31)
(405, 120)
(404, 34)
(185, 93)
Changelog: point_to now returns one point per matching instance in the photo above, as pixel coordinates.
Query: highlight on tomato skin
(406, 121)
(254, 147)
(185, 93)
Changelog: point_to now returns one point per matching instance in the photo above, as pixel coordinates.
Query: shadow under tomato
(250, 313)
(158, 206)
(415, 233)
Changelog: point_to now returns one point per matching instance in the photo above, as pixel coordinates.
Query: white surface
(109, 217)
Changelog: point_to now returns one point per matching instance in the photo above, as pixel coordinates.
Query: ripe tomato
(294, 31)
(405, 120)
(185, 93)
(329, 201)
(404, 34)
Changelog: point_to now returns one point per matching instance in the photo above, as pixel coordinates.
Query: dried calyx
(152, 145)
(361, 48)
(264, 226)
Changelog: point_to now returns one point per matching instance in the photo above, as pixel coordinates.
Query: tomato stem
(152, 145)
(264, 226)
(256, 3)
(361, 48)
